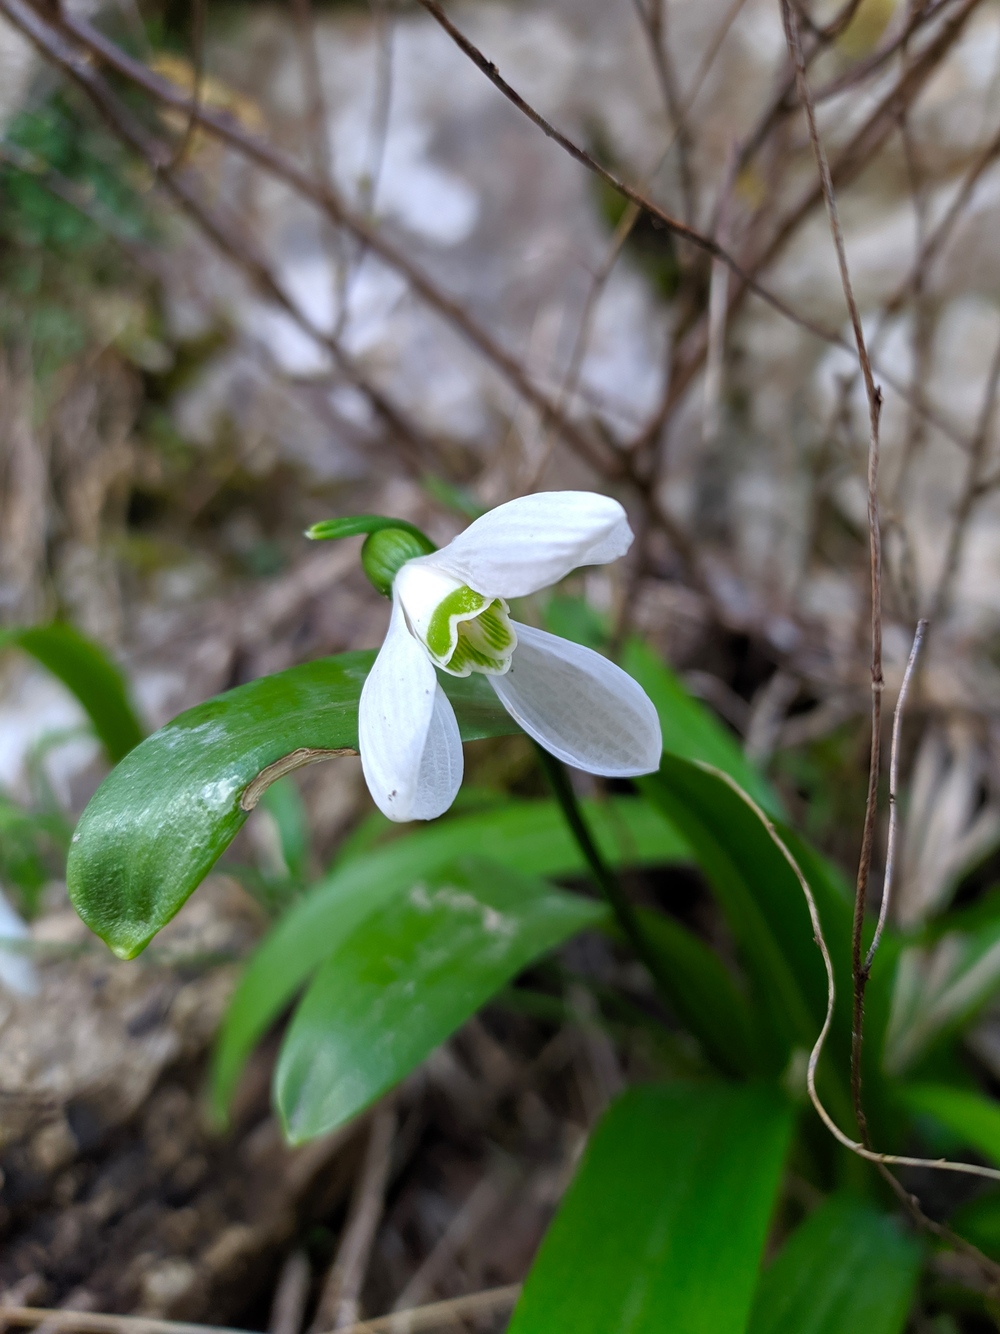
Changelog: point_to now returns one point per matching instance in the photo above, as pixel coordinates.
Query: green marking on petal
(484, 644)
(469, 633)
(462, 602)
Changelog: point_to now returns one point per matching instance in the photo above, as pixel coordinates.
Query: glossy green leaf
(979, 1222)
(530, 837)
(664, 1225)
(690, 730)
(87, 671)
(159, 821)
(757, 890)
(971, 1117)
(767, 914)
(847, 1269)
(703, 995)
(406, 978)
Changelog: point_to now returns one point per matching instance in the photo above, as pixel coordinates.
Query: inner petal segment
(471, 633)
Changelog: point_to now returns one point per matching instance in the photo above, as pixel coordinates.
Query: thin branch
(874, 395)
(279, 164)
(338, 1302)
(881, 1160)
(653, 19)
(404, 1322)
(890, 853)
(681, 229)
(198, 67)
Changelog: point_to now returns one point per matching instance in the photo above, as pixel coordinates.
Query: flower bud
(385, 552)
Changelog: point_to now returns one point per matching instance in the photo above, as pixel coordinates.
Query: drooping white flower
(449, 611)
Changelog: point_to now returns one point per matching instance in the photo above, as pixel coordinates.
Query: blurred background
(197, 362)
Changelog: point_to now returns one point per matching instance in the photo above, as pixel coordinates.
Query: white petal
(442, 763)
(579, 706)
(535, 541)
(411, 752)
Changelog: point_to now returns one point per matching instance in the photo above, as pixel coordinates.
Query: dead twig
(881, 1160)
(339, 1299)
(419, 1318)
(279, 164)
(874, 395)
(890, 855)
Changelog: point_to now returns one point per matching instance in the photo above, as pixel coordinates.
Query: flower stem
(607, 881)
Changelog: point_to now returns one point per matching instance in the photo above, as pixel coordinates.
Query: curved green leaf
(663, 1227)
(410, 974)
(973, 1118)
(849, 1267)
(690, 730)
(87, 671)
(159, 821)
(530, 837)
(767, 914)
(353, 525)
(703, 995)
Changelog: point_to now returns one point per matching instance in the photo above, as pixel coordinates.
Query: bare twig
(279, 164)
(874, 395)
(435, 1315)
(881, 1160)
(198, 69)
(290, 1295)
(890, 853)
(338, 1303)
(482, 1205)
(653, 19)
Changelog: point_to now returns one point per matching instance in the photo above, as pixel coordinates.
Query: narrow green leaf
(690, 730)
(972, 1117)
(664, 1225)
(757, 890)
(87, 671)
(529, 837)
(704, 996)
(283, 803)
(767, 914)
(848, 1268)
(159, 821)
(979, 1222)
(353, 525)
(411, 973)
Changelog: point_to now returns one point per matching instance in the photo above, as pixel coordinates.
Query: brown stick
(338, 1303)
(874, 395)
(40, 31)
(404, 1322)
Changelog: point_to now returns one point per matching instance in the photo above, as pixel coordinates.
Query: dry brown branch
(198, 68)
(290, 1295)
(339, 1299)
(882, 1161)
(432, 1316)
(282, 166)
(681, 229)
(874, 395)
(652, 16)
(890, 855)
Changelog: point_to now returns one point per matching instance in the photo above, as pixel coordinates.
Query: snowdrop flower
(449, 611)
